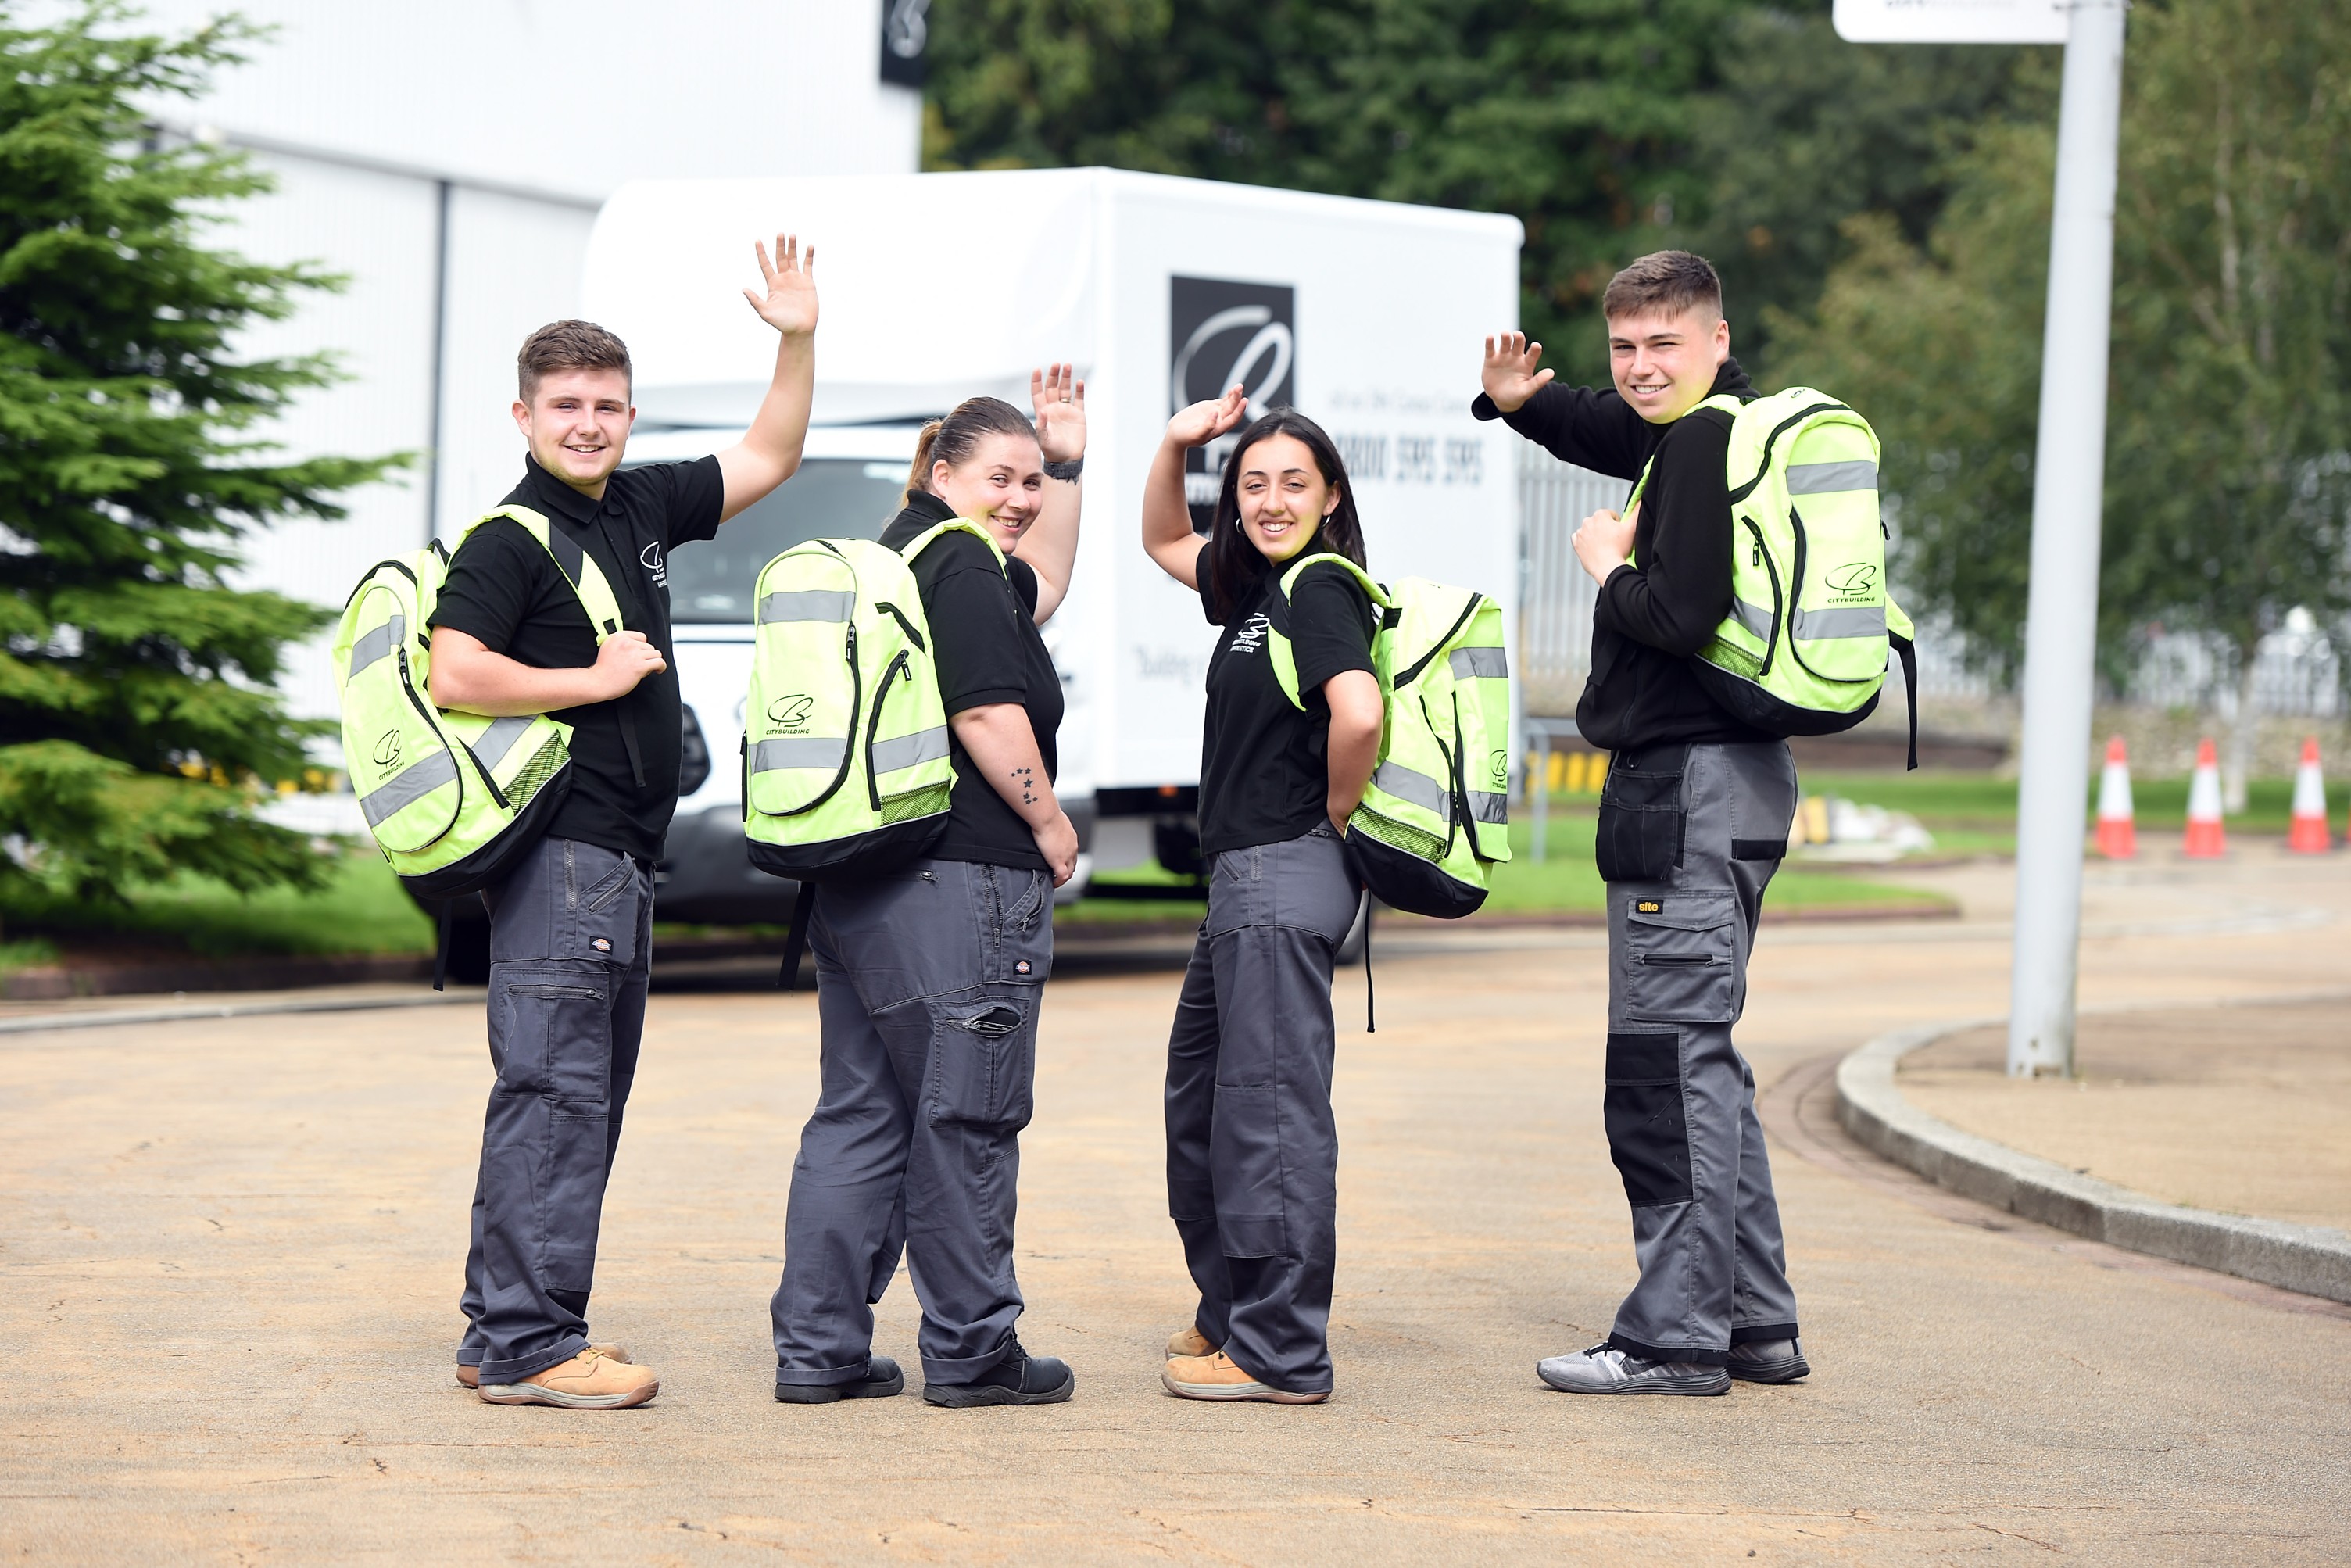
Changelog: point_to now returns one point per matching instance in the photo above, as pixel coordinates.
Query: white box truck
(1366, 316)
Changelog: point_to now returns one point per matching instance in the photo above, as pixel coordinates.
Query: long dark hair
(1234, 565)
(954, 438)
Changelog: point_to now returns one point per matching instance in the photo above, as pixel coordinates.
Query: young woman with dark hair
(929, 979)
(1252, 1148)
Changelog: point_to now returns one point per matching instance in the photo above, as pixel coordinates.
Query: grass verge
(361, 909)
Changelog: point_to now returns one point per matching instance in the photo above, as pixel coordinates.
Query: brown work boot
(589, 1381)
(1189, 1340)
(471, 1377)
(1214, 1376)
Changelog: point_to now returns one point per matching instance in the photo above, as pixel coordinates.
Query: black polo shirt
(505, 589)
(985, 648)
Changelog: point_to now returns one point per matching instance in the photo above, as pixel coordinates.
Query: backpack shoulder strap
(1278, 650)
(577, 567)
(931, 536)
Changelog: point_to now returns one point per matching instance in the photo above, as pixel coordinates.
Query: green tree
(1575, 115)
(2228, 483)
(135, 683)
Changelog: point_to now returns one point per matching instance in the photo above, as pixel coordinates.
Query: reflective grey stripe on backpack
(494, 742)
(806, 604)
(407, 787)
(1406, 785)
(799, 751)
(1852, 621)
(1488, 806)
(1826, 478)
(377, 645)
(1491, 663)
(907, 751)
(1754, 617)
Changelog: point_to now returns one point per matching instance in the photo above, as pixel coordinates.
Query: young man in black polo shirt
(570, 930)
(1693, 820)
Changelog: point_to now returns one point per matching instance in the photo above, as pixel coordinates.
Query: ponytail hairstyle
(952, 440)
(1233, 564)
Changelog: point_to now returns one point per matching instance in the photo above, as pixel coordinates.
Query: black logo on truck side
(1219, 333)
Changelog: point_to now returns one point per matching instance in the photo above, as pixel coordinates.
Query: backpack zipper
(873, 725)
(408, 685)
(1438, 646)
(1779, 603)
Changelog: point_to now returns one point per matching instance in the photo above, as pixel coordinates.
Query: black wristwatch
(1065, 472)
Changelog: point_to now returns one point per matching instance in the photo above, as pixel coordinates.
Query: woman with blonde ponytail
(929, 978)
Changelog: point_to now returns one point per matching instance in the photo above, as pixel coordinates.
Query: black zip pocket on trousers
(1641, 815)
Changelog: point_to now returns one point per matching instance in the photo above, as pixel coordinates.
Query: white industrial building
(449, 156)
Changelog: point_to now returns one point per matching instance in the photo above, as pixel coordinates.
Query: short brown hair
(568, 346)
(1663, 283)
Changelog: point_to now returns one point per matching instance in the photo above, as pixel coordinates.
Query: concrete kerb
(2312, 1259)
(107, 1017)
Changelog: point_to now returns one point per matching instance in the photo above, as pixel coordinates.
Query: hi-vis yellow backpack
(1436, 812)
(451, 799)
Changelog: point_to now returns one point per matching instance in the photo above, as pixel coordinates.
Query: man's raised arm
(770, 452)
(1593, 428)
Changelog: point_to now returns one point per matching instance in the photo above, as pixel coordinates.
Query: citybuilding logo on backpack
(387, 751)
(789, 714)
(1857, 580)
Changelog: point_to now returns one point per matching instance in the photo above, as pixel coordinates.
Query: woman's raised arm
(1168, 536)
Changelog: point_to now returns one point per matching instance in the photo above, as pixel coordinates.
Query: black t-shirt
(1264, 778)
(1650, 620)
(985, 645)
(505, 589)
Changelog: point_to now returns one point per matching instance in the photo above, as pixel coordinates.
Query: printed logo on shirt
(1251, 636)
(654, 563)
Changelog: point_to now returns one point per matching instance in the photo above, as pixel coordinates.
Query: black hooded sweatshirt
(1653, 616)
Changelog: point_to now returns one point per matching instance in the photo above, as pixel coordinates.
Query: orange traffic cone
(2206, 838)
(2117, 834)
(2308, 833)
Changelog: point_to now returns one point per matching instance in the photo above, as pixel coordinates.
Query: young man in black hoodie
(1693, 821)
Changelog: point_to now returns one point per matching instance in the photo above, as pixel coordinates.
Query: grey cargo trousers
(570, 945)
(1689, 835)
(1252, 1146)
(928, 985)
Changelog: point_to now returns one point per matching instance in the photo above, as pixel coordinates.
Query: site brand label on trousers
(1218, 333)
(1650, 906)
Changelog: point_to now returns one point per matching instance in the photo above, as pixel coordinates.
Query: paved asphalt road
(230, 1251)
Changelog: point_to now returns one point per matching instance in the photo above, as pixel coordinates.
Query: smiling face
(1001, 483)
(1664, 365)
(577, 422)
(1283, 496)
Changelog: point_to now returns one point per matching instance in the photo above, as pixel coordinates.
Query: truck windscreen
(830, 497)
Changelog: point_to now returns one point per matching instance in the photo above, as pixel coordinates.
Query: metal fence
(2299, 670)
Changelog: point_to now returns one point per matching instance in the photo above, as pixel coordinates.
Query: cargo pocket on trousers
(551, 1030)
(1649, 1135)
(573, 1208)
(1680, 960)
(1641, 818)
(985, 1062)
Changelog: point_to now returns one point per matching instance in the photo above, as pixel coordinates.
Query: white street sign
(1953, 21)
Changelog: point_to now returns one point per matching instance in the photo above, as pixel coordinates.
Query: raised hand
(1060, 400)
(1510, 376)
(790, 303)
(1204, 422)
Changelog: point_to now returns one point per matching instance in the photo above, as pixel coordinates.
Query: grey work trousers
(1252, 1146)
(1700, 829)
(570, 946)
(927, 992)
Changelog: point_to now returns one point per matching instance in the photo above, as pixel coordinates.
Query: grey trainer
(1768, 1361)
(1603, 1369)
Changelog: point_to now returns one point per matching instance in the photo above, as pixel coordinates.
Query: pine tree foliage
(136, 708)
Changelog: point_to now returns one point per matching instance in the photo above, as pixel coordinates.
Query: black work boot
(1019, 1379)
(1768, 1361)
(882, 1380)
